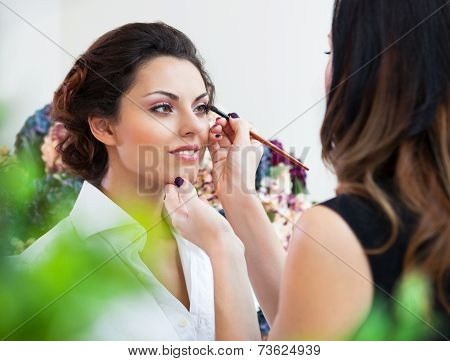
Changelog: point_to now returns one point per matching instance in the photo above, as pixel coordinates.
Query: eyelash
(161, 105)
(205, 108)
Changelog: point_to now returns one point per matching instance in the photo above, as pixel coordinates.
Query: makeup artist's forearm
(263, 251)
(235, 312)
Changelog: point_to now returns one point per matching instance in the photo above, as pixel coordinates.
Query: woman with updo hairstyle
(134, 107)
(98, 80)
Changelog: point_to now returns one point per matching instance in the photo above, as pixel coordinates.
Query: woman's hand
(235, 157)
(196, 220)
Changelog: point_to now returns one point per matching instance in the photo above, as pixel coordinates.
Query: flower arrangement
(282, 189)
(36, 191)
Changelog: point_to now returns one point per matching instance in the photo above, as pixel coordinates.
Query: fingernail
(217, 135)
(217, 119)
(179, 181)
(233, 115)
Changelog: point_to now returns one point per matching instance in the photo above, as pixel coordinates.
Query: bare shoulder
(323, 226)
(327, 285)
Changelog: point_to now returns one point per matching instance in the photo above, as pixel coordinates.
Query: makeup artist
(386, 134)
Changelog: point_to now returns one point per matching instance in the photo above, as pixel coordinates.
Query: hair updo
(99, 78)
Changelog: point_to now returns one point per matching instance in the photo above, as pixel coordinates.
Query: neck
(123, 188)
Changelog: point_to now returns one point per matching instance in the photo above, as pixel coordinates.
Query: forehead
(171, 74)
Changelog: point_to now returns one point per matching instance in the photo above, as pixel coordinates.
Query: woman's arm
(235, 160)
(234, 307)
(263, 251)
(235, 313)
(327, 287)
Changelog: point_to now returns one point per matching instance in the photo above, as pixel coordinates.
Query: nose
(192, 124)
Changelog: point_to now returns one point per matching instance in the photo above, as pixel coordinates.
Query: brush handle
(278, 150)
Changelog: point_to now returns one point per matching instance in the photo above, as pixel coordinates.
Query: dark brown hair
(98, 79)
(388, 118)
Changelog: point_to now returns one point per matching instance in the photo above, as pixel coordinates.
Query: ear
(102, 130)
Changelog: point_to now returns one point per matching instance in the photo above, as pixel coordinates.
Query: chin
(188, 173)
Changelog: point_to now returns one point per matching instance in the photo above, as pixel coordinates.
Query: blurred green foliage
(408, 315)
(59, 296)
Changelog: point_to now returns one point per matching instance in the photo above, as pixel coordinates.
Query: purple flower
(276, 158)
(298, 173)
(298, 178)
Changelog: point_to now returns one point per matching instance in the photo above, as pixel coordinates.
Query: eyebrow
(173, 96)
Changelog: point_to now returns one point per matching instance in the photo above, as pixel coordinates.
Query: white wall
(30, 65)
(265, 57)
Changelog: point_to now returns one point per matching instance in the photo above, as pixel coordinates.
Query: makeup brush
(264, 141)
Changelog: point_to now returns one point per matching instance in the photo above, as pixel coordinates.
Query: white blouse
(151, 313)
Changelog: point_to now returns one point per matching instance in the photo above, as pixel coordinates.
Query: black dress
(372, 228)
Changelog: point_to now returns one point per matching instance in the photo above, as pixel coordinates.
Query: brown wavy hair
(388, 118)
(98, 79)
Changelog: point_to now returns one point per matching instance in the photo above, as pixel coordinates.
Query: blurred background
(266, 58)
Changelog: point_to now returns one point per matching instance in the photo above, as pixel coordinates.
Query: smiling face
(169, 138)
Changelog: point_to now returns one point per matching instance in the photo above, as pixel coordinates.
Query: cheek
(141, 146)
(204, 134)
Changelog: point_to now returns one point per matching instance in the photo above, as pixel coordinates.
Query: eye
(162, 108)
(201, 108)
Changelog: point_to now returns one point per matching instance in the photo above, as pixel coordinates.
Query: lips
(187, 152)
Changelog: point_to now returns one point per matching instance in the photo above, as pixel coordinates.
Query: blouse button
(182, 322)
